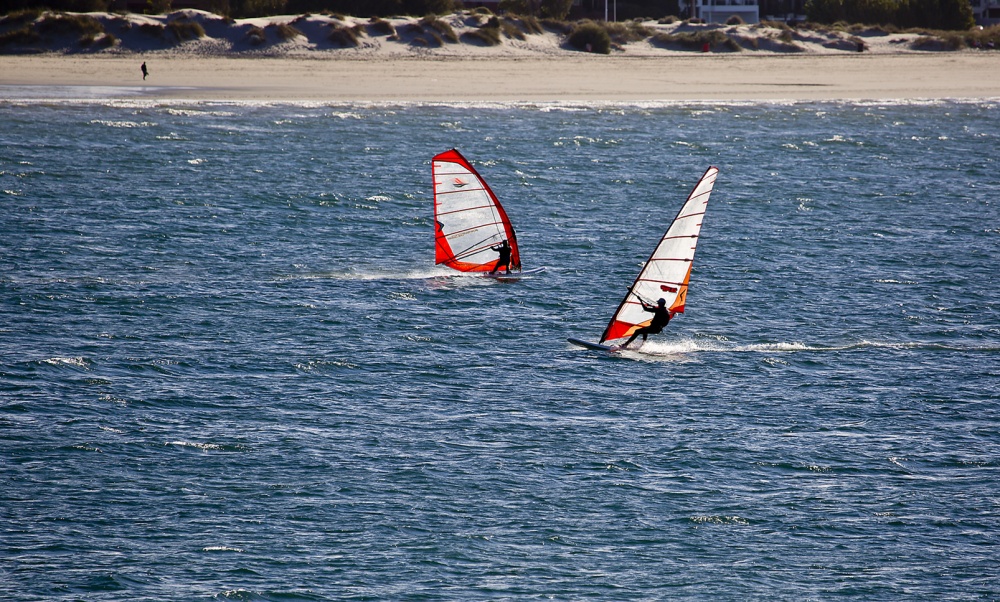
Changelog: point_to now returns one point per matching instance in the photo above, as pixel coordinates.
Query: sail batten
(465, 205)
(667, 272)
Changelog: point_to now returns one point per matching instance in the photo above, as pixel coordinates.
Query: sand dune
(298, 58)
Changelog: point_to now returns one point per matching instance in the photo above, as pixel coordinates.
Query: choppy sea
(230, 370)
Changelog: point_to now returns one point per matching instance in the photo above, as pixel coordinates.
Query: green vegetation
(492, 32)
(347, 37)
(548, 9)
(153, 30)
(772, 25)
(511, 29)
(98, 41)
(527, 23)
(366, 8)
(421, 36)
(381, 27)
(949, 15)
(558, 26)
(716, 39)
(20, 17)
(69, 6)
(591, 37)
(444, 30)
(692, 40)
(939, 14)
(488, 35)
(256, 36)
(157, 7)
(284, 31)
(32, 26)
(183, 29)
(59, 24)
(984, 39)
(623, 33)
(25, 35)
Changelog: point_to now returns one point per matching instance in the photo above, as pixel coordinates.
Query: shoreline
(684, 77)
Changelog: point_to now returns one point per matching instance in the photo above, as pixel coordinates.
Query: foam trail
(685, 346)
(362, 275)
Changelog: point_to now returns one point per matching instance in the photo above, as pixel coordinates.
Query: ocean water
(229, 369)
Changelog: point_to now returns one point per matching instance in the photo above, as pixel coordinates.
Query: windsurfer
(504, 250)
(661, 317)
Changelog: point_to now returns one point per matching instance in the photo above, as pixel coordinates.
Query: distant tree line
(258, 8)
(931, 14)
(553, 9)
(548, 9)
(370, 8)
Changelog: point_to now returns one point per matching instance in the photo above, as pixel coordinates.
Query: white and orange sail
(469, 220)
(668, 270)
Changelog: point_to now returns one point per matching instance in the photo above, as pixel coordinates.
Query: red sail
(469, 222)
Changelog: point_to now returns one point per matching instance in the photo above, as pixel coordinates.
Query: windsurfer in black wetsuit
(661, 317)
(504, 250)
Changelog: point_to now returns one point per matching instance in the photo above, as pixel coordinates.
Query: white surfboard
(513, 275)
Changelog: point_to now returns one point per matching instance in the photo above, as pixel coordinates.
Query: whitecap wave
(76, 362)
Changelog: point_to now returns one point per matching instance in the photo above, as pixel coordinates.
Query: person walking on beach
(504, 261)
(145, 71)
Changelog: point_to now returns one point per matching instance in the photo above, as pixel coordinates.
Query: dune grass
(106, 40)
(526, 23)
(442, 27)
(284, 31)
(481, 27)
(153, 30)
(23, 35)
(62, 24)
(629, 31)
(381, 27)
(486, 35)
(698, 40)
(183, 30)
(256, 35)
(347, 36)
(28, 15)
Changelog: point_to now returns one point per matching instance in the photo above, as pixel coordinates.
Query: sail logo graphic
(459, 183)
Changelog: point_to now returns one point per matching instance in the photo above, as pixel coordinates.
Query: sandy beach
(585, 78)
(248, 60)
